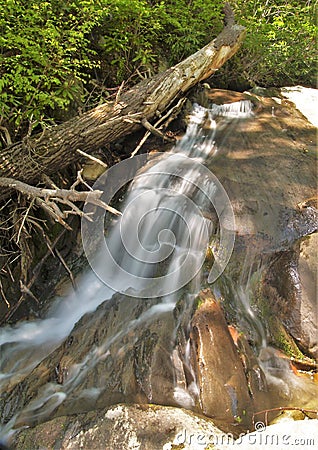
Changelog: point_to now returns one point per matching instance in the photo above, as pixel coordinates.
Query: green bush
(50, 49)
(280, 47)
(189, 25)
(44, 56)
(127, 36)
(140, 34)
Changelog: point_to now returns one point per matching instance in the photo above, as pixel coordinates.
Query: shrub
(44, 57)
(280, 46)
(50, 49)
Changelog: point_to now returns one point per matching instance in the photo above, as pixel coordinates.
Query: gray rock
(124, 427)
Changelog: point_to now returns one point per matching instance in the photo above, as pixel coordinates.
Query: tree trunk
(57, 147)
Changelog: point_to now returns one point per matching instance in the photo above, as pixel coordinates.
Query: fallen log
(58, 146)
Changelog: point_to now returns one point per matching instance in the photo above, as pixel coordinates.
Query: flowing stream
(161, 212)
(155, 250)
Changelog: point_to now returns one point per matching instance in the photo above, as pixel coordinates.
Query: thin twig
(155, 131)
(283, 408)
(81, 179)
(52, 213)
(56, 252)
(119, 92)
(68, 270)
(3, 295)
(172, 112)
(141, 143)
(26, 291)
(36, 270)
(24, 219)
(7, 135)
(98, 161)
(10, 273)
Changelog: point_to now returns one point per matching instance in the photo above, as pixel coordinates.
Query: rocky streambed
(245, 344)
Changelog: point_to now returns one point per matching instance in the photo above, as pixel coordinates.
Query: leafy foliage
(44, 56)
(127, 37)
(49, 50)
(189, 25)
(142, 35)
(280, 47)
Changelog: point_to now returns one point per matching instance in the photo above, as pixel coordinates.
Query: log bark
(57, 147)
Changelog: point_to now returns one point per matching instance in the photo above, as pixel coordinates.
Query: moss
(279, 337)
(199, 302)
(283, 340)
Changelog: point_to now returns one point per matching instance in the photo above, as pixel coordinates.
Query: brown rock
(220, 374)
(308, 273)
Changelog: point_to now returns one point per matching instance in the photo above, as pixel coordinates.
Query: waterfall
(155, 250)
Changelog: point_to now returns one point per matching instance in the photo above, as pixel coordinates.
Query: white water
(167, 225)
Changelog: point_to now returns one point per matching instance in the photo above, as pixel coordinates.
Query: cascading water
(155, 250)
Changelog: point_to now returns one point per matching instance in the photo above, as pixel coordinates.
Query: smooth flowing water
(155, 250)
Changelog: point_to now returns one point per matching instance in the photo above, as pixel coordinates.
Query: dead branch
(155, 131)
(23, 220)
(170, 115)
(98, 161)
(56, 252)
(26, 291)
(3, 295)
(48, 199)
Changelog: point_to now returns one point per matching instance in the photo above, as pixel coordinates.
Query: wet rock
(221, 379)
(308, 275)
(144, 364)
(222, 96)
(287, 386)
(266, 174)
(255, 376)
(124, 427)
(291, 290)
(267, 165)
(113, 354)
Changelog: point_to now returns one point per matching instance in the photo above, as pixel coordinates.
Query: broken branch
(155, 131)
(58, 195)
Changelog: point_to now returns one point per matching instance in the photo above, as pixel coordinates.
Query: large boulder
(124, 427)
(290, 290)
(267, 165)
